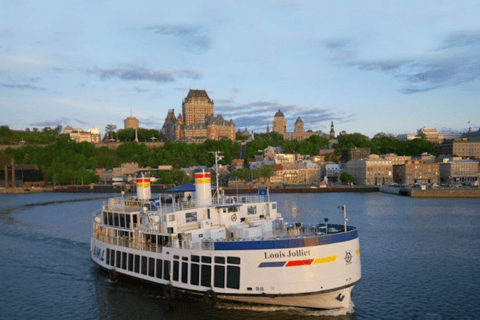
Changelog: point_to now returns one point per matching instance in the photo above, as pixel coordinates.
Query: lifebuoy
(112, 274)
(169, 292)
(210, 298)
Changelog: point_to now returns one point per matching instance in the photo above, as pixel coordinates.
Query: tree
(346, 177)
(109, 129)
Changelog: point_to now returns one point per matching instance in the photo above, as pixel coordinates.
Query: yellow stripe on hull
(325, 259)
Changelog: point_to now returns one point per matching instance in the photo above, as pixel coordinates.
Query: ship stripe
(325, 259)
(296, 263)
(272, 264)
(286, 243)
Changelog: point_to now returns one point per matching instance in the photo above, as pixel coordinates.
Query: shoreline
(464, 193)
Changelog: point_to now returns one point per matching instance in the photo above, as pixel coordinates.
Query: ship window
(194, 274)
(137, 263)
(166, 270)
(219, 259)
(233, 277)
(110, 218)
(171, 217)
(118, 260)
(185, 272)
(124, 260)
(206, 259)
(195, 258)
(151, 267)
(105, 218)
(176, 270)
(144, 265)
(112, 257)
(233, 260)
(252, 210)
(190, 217)
(135, 219)
(108, 257)
(219, 277)
(128, 219)
(122, 220)
(185, 258)
(206, 275)
(130, 262)
(159, 268)
(274, 206)
(115, 219)
(176, 257)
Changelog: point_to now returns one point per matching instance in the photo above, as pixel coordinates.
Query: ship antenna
(217, 157)
(345, 219)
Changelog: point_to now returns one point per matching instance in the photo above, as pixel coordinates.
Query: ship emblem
(234, 217)
(348, 257)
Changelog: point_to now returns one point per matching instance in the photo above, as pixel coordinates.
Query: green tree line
(66, 161)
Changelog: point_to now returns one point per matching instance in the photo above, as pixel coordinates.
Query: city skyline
(369, 67)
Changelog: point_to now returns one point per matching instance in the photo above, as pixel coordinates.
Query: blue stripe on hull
(272, 264)
(286, 243)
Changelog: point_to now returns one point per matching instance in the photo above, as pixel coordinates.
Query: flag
(262, 192)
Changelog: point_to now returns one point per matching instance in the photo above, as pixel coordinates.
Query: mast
(217, 157)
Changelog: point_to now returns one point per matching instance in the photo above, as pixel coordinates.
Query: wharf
(434, 193)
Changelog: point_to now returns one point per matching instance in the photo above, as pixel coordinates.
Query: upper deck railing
(132, 205)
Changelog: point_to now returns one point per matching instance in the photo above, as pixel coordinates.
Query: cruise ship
(235, 248)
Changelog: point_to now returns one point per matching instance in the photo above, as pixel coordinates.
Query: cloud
(158, 76)
(456, 61)
(140, 90)
(21, 86)
(151, 122)
(60, 122)
(192, 38)
(460, 39)
(256, 115)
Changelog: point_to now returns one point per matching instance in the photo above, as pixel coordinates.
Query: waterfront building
(462, 147)
(198, 121)
(416, 171)
(332, 171)
(371, 171)
(426, 157)
(458, 171)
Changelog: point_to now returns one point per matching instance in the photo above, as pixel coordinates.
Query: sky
(368, 66)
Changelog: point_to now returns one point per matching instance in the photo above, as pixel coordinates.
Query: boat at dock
(221, 247)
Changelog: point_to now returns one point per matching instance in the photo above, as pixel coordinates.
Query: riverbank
(473, 193)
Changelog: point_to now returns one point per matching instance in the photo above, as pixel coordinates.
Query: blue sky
(368, 66)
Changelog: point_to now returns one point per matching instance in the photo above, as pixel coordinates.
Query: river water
(420, 260)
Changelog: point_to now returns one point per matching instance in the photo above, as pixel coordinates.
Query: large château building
(198, 121)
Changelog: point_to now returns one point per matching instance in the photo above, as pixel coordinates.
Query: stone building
(462, 148)
(198, 122)
(458, 171)
(371, 171)
(280, 126)
(356, 153)
(415, 171)
(431, 134)
(472, 135)
(131, 123)
(396, 160)
(93, 135)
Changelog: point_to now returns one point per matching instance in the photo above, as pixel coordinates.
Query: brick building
(416, 171)
(131, 123)
(198, 122)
